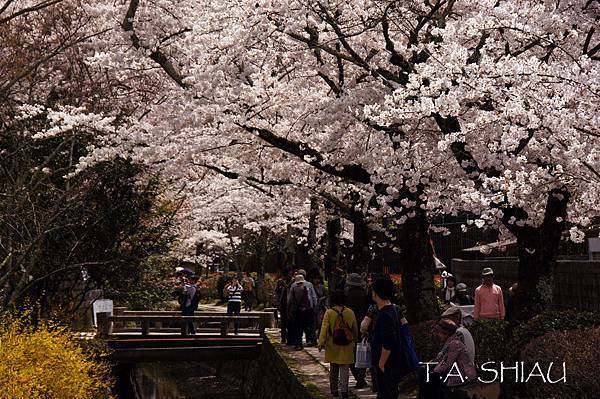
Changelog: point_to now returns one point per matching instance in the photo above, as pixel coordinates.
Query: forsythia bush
(47, 363)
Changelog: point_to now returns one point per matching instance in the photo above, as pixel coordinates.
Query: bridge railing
(145, 323)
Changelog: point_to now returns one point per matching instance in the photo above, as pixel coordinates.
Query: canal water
(174, 380)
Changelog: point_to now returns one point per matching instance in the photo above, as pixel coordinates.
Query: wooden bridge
(148, 336)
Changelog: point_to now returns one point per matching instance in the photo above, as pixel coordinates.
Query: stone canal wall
(273, 375)
(268, 377)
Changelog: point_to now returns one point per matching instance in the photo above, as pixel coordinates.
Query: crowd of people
(355, 311)
(488, 303)
(359, 310)
(237, 292)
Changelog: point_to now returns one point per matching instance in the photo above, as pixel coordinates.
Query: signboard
(102, 306)
(594, 248)
(594, 244)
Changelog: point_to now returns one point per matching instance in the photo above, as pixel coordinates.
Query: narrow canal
(175, 380)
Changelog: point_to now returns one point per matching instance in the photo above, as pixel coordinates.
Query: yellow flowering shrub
(47, 363)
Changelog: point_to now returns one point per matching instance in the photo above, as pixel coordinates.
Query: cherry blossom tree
(510, 90)
(248, 75)
(392, 111)
(62, 234)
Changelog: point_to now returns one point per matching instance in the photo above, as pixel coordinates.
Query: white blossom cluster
(485, 107)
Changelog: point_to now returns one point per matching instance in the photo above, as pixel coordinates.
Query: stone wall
(268, 377)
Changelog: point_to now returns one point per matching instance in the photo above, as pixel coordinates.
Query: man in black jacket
(386, 347)
(282, 290)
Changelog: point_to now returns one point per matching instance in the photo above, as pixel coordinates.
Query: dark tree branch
(422, 21)
(587, 131)
(330, 83)
(314, 43)
(346, 210)
(252, 182)
(523, 142)
(175, 34)
(476, 54)
(340, 65)
(5, 6)
(352, 172)
(234, 175)
(591, 169)
(592, 52)
(341, 36)
(353, 57)
(37, 7)
(588, 39)
(528, 46)
(395, 58)
(156, 55)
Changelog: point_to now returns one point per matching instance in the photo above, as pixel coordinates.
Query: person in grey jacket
(309, 326)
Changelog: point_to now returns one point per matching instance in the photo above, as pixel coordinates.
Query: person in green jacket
(340, 356)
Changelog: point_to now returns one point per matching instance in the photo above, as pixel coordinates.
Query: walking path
(309, 364)
(310, 367)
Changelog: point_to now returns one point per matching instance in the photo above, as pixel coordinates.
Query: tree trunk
(289, 247)
(312, 261)
(312, 222)
(361, 254)
(537, 249)
(262, 249)
(332, 249)
(418, 269)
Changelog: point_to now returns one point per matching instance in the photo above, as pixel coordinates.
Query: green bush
(426, 341)
(552, 320)
(492, 339)
(579, 350)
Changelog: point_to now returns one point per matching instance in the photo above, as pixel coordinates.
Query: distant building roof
(491, 246)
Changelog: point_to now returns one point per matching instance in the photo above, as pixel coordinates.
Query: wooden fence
(145, 323)
(576, 282)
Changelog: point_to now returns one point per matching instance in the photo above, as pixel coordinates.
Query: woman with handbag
(393, 354)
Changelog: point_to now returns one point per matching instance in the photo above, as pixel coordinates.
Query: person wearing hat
(462, 298)
(489, 300)
(358, 301)
(455, 314)
(451, 361)
(299, 311)
(191, 299)
(309, 326)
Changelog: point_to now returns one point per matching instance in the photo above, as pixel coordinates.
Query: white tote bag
(363, 355)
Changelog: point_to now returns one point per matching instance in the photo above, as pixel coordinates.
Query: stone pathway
(310, 367)
(309, 364)
(319, 357)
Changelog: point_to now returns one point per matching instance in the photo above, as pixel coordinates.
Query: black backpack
(341, 334)
(304, 303)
